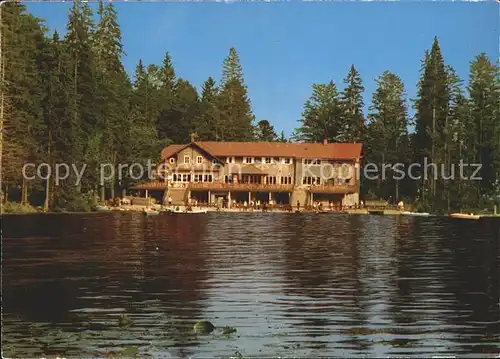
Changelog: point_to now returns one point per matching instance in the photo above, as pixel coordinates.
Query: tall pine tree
(322, 117)
(234, 109)
(352, 103)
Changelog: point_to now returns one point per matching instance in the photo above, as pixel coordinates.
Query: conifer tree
(432, 106)
(484, 104)
(208, 128)
(113, 87)
(265, 132)
(352, 103)
(322, 116)
(22, 38)
(388, 131)
(234, 109)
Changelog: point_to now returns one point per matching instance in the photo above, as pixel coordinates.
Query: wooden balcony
(154, 185)
(240, 187)
(340, 189)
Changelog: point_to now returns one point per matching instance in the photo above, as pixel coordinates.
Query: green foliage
(208, 124)
(265, 132)
(69, 100)
(449, 127)
(352, 107)
(322, 116)
(18, 208)
(71, 200)
(387, 135)
(235, 117)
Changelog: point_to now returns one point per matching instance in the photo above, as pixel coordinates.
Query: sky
(285, 47)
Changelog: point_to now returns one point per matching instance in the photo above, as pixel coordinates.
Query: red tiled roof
(171, 150)
(340, 151)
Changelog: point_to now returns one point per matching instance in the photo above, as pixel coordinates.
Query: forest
(69, 100)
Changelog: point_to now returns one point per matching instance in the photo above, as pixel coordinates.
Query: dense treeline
(453, 125)
(69, 100)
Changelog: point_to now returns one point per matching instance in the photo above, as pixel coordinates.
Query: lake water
(291, 284)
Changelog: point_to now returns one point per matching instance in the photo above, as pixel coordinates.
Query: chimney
(325, 141)
(193, 136)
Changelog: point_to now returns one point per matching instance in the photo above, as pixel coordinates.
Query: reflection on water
(292, 284)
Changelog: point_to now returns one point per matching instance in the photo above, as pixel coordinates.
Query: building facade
(229, 173)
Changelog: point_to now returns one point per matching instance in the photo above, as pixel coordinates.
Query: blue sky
(286, 47)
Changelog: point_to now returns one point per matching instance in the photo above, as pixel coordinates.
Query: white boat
(465, 216)
(185, 211)
(415, 214)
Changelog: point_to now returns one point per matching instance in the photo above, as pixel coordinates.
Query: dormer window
(286, 160)
(171, 160)
(229, 159)
(267, 160)
(248, 160)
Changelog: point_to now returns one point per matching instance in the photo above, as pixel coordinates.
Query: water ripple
(294, 285)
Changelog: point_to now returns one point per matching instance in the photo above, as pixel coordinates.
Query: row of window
(253, 179)
(250, 160)
(187, 159)
(317, 181)
(196, 178)
(268, 160)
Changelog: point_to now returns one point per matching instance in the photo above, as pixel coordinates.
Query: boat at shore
(464, 215)
(186, 211)
(415, 214)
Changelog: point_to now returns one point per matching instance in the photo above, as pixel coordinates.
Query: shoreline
(140, 209)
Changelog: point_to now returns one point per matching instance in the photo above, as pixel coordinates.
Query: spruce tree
(432, 106)
(22, 39)
(484, 103)
(265, 132)
(234, 109)
(322, 116)
(388, 132)
(207, 125)
(82, 72)
(113, 87)
(352, 103)
(167, 99)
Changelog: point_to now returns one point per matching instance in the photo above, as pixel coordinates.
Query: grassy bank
(18, 208)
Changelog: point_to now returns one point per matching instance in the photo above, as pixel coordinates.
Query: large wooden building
(228, 173)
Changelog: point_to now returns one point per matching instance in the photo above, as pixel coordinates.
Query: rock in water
(204, 327)
(124, 321)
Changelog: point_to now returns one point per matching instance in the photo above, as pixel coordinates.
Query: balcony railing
(248, 187)
(240, 187)
(333, 189)
(152, 185)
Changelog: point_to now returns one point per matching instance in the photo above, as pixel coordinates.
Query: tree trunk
(433, 182)
(24, 192)
(112, 185)
(397, 191)
(103, 194)
(47, 181)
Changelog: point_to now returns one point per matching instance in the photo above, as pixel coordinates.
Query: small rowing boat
(415, 214)
(185, 211)
(464, 216)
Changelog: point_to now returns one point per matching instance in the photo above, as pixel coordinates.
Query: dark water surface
(291, 284)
